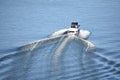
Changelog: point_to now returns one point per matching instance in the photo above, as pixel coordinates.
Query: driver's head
(74, 25)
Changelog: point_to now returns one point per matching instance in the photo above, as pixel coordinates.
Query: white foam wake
(89, 46)
(59, 50)
(32, 45)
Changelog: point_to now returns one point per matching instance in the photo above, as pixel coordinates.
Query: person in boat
(74, 27)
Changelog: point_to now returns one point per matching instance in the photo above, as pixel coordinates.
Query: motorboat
(75, 32)
(74, 29)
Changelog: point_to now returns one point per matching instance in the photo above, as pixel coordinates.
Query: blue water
(24, 21)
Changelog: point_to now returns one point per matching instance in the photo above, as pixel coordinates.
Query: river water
(25, 21)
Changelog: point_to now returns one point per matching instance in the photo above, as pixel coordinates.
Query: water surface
(26, 20)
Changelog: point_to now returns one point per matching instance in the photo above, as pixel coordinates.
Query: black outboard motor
(74, 25)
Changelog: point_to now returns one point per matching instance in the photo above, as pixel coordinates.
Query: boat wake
(60, 46)
(49, 54)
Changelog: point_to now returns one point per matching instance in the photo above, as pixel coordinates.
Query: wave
(49, 54)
